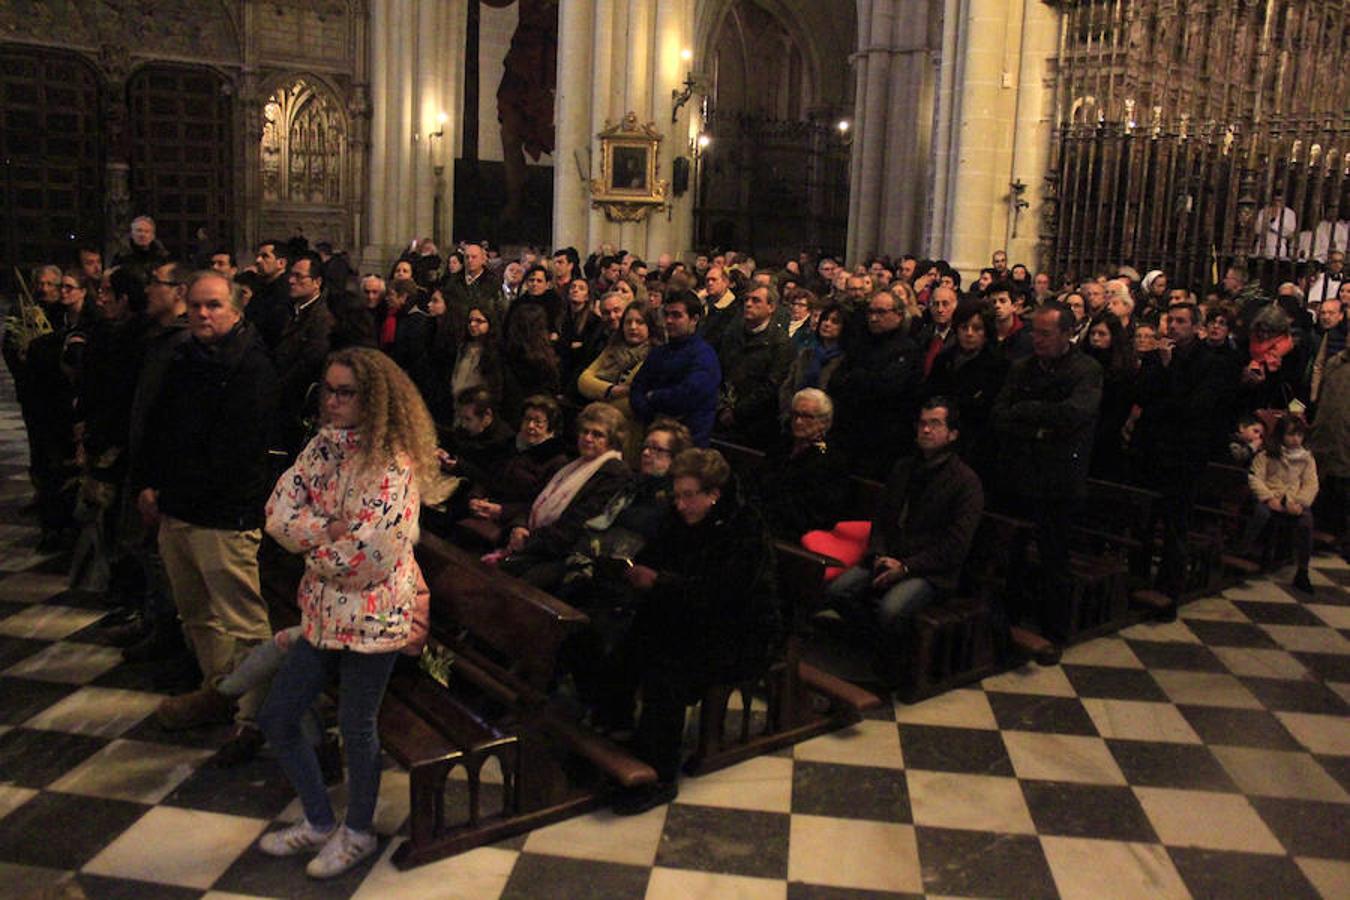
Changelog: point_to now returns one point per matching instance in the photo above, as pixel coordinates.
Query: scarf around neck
(563, 488)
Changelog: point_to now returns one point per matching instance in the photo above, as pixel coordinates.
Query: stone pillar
(571, 194)
(1034, 127)
(412, 82)
(891, 127)
(617, 56)
(1000, 128)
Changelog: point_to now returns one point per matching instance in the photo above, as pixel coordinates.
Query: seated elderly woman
(710, 614)
(803, 483)
(633, 516)
(543, 535)
(593, 577)
(507, 490)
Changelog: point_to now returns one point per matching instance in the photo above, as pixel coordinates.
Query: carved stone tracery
(303, 147)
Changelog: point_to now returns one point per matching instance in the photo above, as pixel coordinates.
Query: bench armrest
(626, 770)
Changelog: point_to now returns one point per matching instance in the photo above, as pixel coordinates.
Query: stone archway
(303, 169)
(775, 175)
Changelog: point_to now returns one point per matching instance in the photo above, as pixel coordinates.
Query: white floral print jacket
(358, 591)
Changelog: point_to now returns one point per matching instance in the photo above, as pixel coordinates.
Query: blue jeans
(362, 680)
(853, 597)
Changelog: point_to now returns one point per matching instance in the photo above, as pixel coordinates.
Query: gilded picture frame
(629, 188)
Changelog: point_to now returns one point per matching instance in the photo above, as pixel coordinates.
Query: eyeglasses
(799, 414)
(70, 287)
(477, 321)
(165, 283)
(342, 394)
(662, 451)
(300, 277)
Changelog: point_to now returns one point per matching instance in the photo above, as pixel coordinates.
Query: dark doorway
(51, 165)
(182, 156)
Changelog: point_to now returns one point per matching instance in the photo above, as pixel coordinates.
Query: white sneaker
(344, 849)
(301, 837)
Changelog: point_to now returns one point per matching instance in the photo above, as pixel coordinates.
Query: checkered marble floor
(1209, 758)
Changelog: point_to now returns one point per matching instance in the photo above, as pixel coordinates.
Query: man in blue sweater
(680, 378)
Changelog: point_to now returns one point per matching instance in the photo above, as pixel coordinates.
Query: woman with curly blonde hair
(350, 504)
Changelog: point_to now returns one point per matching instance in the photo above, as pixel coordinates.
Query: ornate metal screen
(771, 187)
(1176, 125)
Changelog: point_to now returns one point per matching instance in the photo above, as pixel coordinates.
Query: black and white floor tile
(1209, 757)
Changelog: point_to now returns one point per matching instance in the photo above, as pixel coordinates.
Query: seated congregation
(531, 511)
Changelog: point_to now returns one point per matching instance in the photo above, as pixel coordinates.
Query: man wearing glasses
(875, 389)
(301, 349)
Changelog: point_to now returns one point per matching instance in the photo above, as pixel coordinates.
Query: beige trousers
(214, 577)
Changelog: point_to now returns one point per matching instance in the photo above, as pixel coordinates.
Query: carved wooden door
(51, 169)
(182, 155)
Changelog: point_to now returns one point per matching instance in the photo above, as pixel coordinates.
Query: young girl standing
(350, 505)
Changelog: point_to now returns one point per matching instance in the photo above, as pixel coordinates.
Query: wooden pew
(801, 700)
(490, 703)
(1218, 519)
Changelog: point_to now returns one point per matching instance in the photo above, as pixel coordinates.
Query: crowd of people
(196, 427)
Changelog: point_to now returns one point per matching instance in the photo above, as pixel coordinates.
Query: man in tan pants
(204, 478)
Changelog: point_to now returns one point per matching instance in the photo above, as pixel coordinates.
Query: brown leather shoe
(206, 706)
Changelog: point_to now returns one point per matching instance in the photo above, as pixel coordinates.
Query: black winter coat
(713, 613)
(973, 385)
(797, 494)
(207, 433)
(555, 541)
(1045, 418)
(1180, 401)
(928, 516)
(874, 392)
(754, 366)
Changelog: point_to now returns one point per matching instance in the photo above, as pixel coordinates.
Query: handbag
(421, 616)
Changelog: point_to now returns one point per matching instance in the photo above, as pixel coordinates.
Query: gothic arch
(817, 30)
(303, 151)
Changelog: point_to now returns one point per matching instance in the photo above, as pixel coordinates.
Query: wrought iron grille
(1176, 124)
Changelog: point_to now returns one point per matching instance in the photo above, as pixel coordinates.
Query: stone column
(571, 194)
(891, 127)
(999, 126)
(412, 82)
(1034, 126)
(615, 57)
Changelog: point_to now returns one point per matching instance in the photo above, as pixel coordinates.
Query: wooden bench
(801, 700)
(490, 703)
(1223, 503)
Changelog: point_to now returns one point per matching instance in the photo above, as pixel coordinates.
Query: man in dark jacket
(166, 310)
(271, 303)
(755, 358)
(474, 285)
(301, 348)
(921, 532)
(874, 390)
(1181, 386)
(1045, 417)
(680, 377)
(204, 477)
